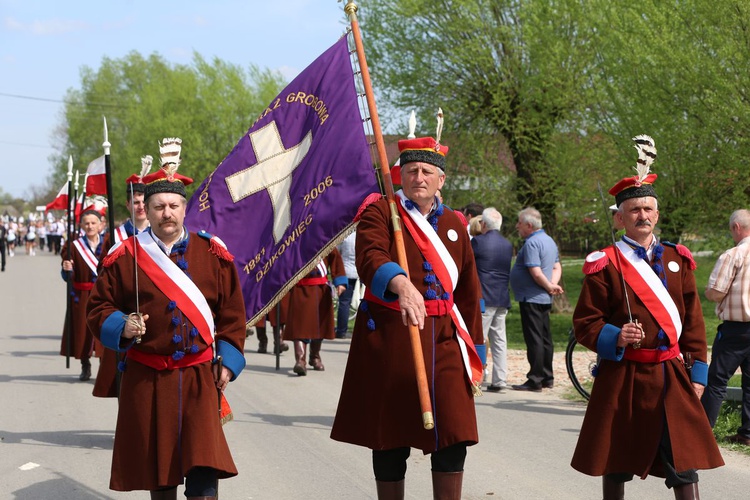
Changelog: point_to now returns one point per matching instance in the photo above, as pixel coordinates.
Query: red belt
(162, 362)
(322, 280)
(651, 355)
(437, 307)
(82, 285)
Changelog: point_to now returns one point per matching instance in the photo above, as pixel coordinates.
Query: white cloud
(46, 27)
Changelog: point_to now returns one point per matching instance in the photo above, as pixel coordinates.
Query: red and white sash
(121, 234)
(173, 283)
(88, 256)
(649, 288)
(434, 250)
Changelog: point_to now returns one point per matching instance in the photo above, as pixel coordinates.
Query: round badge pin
(673, 266)
(452, 235)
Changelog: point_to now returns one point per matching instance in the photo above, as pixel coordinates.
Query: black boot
(612, 490)
(85, 370)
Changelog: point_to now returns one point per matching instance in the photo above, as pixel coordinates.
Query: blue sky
(44, 44)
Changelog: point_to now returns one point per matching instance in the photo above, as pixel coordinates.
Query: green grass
(572, 282)
(727, 424)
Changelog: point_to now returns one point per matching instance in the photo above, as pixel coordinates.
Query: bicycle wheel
(580, 363)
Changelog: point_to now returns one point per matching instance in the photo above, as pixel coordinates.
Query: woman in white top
(30, 240)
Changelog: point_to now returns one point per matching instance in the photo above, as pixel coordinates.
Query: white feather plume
(646, 148)
(169, 149)
(439, 131)
(412, 125)
(146, 162)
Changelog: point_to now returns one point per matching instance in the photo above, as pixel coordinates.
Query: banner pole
(108, 171)
(416, 343)
(69, 281)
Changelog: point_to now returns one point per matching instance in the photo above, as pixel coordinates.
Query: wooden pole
(416, 343)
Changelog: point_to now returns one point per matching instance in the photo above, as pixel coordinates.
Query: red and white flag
(96, 182)
(61, 200)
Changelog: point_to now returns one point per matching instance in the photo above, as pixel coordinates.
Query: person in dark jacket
(493, 254)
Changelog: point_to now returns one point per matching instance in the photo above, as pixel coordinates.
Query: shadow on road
(543, 406)
(69, 439)
(311, 421)
(63, 488)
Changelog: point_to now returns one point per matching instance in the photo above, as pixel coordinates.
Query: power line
(29, 97)
(44, 99)
(26, 145)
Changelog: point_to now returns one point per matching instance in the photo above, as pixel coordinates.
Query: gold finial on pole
(351, 9)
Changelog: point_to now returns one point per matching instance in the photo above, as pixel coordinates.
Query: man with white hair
(493, 254)
(534, 279)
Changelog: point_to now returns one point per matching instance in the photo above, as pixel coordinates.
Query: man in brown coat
(191, 310)
(379, 406)
(644, 417)
(310, 316)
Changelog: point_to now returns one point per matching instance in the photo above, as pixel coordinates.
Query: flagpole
(76, 223)
(69, 280)
(108, 170)
(416, 343)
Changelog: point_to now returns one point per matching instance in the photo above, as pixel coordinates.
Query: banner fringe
(322, 253)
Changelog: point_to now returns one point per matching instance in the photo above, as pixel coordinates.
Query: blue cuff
(65, 274)
(231, 357)
(481, 306)
(112, 331)
(606, 345)
(341, 281)
(383, 276)
(482, 352)
(699, 373)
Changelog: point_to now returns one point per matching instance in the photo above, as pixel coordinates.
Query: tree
(678, 71)
(209, 105)
(510, 70)
(564, 85)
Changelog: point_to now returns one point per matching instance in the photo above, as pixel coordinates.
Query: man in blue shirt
(534, 280)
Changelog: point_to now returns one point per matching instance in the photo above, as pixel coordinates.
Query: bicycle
(581, 364)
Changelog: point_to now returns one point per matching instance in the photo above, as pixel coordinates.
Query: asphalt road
(56, 439)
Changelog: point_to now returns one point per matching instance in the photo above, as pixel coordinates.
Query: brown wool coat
(82, 341)
(168, 421)
(379, 406)
(629, 401)
(310, 314)
(105, 385)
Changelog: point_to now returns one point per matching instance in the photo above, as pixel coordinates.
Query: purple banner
(292, 184)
